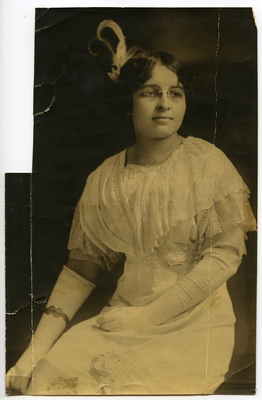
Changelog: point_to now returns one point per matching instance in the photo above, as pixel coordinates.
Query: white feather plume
(121, 55)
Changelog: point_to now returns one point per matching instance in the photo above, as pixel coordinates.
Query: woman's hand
(19, 376)
(123, 319)
(16, 381)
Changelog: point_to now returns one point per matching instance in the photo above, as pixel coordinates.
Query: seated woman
(178, 210)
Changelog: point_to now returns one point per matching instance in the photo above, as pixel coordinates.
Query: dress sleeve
(230, 201)
(229, 215)
(231, 211)
(83, 247)
(230, 239)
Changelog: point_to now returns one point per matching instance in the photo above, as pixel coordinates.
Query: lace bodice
(129, 209)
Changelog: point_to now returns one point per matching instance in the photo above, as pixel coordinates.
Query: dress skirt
(187, 355)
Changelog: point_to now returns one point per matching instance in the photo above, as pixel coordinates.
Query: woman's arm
(74, 284)
(209, 274)
(84, 268)
(219, 262)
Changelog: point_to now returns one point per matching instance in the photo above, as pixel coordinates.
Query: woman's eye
(149, 93)
(175, 93)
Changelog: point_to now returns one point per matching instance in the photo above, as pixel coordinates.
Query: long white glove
(209, 274)
(69, 293)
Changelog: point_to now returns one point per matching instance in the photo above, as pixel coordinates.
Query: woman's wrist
(57, 313)
(151, 316)
(24, 366)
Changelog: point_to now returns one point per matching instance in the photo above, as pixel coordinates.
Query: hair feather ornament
(121, 55)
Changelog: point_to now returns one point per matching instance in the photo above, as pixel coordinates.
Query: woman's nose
(163, 101)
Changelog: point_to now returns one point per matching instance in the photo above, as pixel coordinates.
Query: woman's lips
(163, 121)
(162, 118)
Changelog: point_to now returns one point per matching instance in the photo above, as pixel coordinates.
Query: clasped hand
(123, 319)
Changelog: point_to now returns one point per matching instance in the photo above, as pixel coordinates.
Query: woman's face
(158, 115)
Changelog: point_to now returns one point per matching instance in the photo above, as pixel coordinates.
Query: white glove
(122, 319)
(69, 293)
(206, 277)
(209, 274)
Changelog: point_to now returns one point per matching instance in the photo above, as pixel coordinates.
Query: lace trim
(233, 210)
(117, 182)
(94, 247)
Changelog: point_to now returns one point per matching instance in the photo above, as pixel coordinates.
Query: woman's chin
(162, 134)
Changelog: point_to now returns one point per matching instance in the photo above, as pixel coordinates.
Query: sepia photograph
(131, 248)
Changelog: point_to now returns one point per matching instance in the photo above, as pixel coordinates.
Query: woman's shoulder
(200, 151)
(201, 146)
(206, 166)
(202, 162)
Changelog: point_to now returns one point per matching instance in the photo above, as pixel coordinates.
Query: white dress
(165, 218)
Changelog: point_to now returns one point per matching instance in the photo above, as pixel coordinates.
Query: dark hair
(138, 69)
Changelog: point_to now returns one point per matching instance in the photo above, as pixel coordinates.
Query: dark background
(79, 122)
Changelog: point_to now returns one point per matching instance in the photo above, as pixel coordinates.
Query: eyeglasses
(153, 93)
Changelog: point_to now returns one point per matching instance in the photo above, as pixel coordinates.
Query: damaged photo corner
(128, 269)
